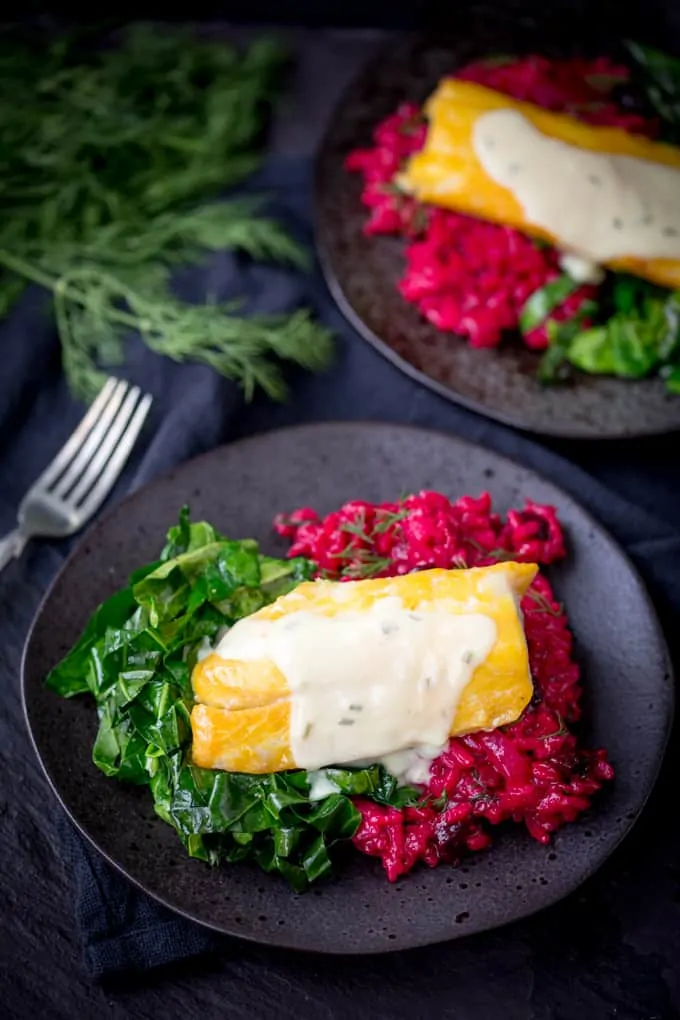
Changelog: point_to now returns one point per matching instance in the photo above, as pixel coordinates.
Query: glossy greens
(658, 77)
(641, 337)
(135, 657)
(545, 300)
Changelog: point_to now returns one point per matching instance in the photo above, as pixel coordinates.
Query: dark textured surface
(240, 488)
(608, 952)
(362, 272)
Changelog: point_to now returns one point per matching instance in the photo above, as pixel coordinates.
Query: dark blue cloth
(634, 489)
(122, 929)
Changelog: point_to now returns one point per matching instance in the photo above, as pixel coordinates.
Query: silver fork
(73, 487)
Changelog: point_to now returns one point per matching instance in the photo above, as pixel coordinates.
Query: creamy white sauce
(581, 270)
(601, 207)
(320, 785)
(365, 685)
(204, 649)
(413, 764)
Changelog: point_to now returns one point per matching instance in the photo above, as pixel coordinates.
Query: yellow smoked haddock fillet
(242, 719)
(448, 173)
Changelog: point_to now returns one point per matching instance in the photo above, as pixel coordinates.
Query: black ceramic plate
(240, 488)
(362, 272)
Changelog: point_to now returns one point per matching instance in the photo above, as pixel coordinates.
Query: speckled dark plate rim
(473, 450)
(355, 320)
(325, 257)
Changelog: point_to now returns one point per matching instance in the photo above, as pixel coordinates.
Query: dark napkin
(121, 928)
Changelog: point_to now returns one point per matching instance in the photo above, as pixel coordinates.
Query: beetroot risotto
(533, 772)
(465, 275)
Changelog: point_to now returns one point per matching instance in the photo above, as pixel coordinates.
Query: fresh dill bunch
(111, 163)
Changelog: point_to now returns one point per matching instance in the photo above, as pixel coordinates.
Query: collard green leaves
(545, 300)
(135, 657)
(641, 337)
(658, 74)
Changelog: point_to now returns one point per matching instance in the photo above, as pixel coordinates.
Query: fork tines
(87, 466)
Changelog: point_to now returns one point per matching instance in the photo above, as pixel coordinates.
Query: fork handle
(11, 546)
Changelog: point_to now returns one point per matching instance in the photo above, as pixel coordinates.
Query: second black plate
(363, 272)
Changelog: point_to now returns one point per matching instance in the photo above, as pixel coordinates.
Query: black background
(654, 21)
(652, 17)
